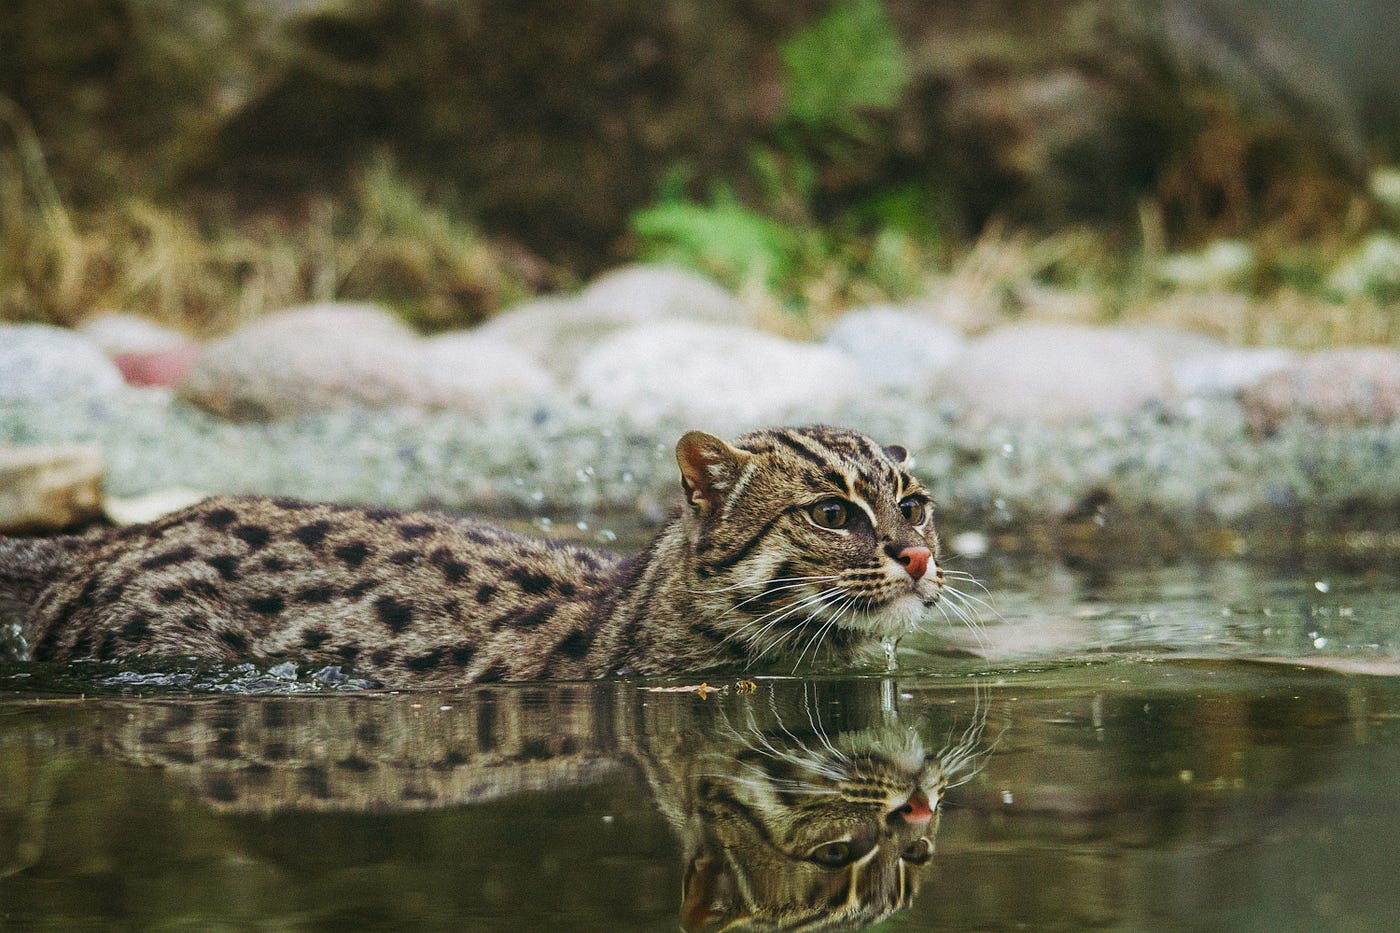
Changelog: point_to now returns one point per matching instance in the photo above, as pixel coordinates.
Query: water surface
(1205, 746)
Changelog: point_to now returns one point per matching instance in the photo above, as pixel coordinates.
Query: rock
(558, 331)
(1228, 369)
(129, 333)
(714, 377)
(1344, 386)
(308, 359)
(146, 353)
(896, 348)
(164, 369)
(135, 510)
(40, 362)
(471, 371)
(1201, 365)
(1055, 373)
(45, 489)
(639, 293)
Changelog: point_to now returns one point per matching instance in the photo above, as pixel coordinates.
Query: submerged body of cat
(793, 542)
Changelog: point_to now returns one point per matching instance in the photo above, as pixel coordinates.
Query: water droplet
(1322, 586)
(1320, 642)
(606, 535)
(1007, 798)
(581, 525)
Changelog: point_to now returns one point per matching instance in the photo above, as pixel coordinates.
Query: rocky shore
(565, 410)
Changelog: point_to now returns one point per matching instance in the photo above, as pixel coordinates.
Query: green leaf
(848, 61)
(724, 238)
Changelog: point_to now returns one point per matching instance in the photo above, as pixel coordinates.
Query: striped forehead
(840, 462)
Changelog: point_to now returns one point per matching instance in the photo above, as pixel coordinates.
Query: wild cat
(790, 543)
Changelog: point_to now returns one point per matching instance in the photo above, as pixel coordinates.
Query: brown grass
(384, 243)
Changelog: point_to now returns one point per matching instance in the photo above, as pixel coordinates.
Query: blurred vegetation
(202, 163)
(383, 242)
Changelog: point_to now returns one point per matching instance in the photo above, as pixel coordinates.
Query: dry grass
(385, 242)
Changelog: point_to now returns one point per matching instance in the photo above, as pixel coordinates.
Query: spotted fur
(745, 574)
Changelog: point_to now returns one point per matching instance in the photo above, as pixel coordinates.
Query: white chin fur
(892, 619)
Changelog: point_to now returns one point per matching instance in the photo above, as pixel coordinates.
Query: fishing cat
(790, 542)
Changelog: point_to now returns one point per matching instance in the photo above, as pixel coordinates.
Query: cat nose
(915, 810)
(914, 559)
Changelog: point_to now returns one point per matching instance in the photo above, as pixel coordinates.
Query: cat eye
(912, 509)
(830, 513)
(832, 854)
(918, 852)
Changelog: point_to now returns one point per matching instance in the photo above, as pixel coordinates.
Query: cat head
(791, 838)
(808, 538)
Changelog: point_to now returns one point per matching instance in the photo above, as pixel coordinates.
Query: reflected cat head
(812, 832)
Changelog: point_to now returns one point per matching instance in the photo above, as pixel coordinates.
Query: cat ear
(709, 469)
(898, 454)
(709, 895)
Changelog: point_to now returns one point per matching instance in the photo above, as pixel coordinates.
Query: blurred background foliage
(200, 163)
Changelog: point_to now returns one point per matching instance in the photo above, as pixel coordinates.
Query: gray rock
(49, 488)
(715, 377)
(470, 371)
(1055, 373)
(1227, 370)
(1344, 386)
(38, 361)
(896, 348)
(638, 293)
(129, 333)
(558, 331)
(308, 359)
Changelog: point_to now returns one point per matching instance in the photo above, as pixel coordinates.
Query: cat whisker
(818, 599)
(789, 787)
(811, 763)
(969, 601)
(778, 589)
(968, 578)
(946, 605)
(745, 583)
(814, 640)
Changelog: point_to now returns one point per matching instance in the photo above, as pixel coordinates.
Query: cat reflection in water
(783, 822)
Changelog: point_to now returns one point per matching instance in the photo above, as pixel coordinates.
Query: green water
(1202, 747)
